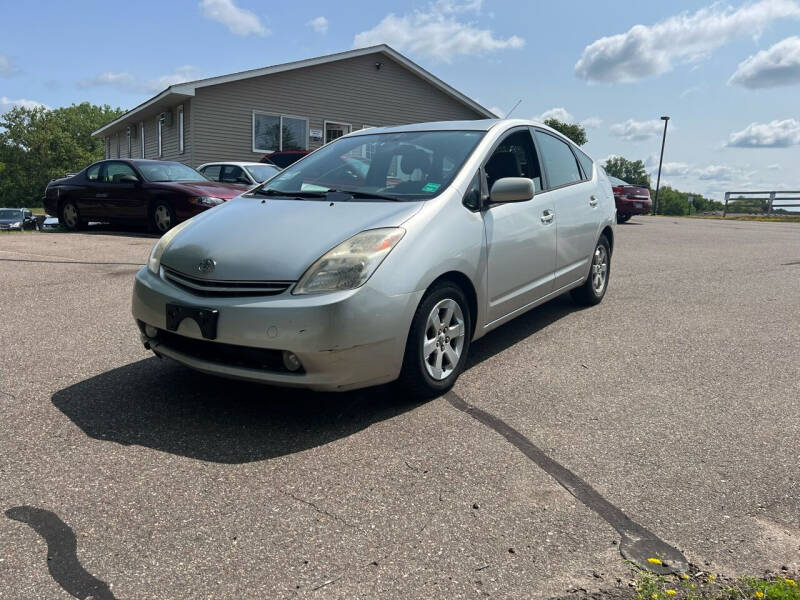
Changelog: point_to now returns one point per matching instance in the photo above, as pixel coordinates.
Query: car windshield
(410, 165)
(169, 171)
(261, 172)
(10, 214)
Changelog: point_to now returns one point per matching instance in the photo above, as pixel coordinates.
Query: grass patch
(707, 586)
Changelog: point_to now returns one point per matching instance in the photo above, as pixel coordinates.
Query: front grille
(225, 354)
(215, 288)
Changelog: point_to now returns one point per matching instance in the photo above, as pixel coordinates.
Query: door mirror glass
(511, 189)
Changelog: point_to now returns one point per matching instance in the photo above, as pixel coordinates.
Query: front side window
(168, 171)
(180, 129)
(93, 172)
(233, 174)
(559, 162)
(397, 166)
(273, 133)
(115, 171)
(514, 157)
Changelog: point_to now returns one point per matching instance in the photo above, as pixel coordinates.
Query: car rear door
(576, 208)
(520, 236)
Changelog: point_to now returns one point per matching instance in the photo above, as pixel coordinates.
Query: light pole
(660, 160)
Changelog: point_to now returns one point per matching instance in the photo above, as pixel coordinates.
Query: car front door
(520, 236)
(123, 198)
(234, 174)
(91, 194)
(212, 172)
(576, 209)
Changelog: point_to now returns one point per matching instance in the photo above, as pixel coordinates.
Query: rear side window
(586, 164)
(558, 159)
(93, 172)
(212, 172)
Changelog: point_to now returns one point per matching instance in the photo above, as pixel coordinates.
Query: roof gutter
(178, 90)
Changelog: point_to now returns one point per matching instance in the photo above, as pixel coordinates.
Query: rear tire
(623, 217)
(593, 290)
(438, 341)
(70, 218)
(162, 217)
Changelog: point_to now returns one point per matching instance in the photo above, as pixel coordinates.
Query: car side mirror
(511, 189)
(129, 179)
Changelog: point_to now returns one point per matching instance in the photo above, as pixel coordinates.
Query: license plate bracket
(206, 318)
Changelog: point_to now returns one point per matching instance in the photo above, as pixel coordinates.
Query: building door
(336, 130)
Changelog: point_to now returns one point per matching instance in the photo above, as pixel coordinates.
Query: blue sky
(727, 74)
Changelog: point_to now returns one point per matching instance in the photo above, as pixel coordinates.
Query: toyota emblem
(207, 265)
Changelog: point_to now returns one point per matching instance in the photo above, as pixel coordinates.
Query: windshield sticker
(431, 187)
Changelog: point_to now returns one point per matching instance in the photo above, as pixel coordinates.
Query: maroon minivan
(153, 192)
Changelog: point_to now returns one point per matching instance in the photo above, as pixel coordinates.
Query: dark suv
(153, 192)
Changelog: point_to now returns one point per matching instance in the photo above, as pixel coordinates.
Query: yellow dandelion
(685, 576)
(759, 594)
(671, 592)
(790, 581)
(655, 561)
(654, 596)
(711, 576)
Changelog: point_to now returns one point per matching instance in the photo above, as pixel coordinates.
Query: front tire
(162, 217)
(594, 288)
(438, 342)
(70, 218)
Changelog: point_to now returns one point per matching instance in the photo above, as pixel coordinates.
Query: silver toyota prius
(381, 256)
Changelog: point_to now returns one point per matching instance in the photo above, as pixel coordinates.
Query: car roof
(235, 163)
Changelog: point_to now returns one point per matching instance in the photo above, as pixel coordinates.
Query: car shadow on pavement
(162, 405)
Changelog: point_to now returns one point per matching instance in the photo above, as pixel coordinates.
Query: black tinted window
(93, 172)
(514, 157)
(116, 171)
(212, 172)
(560, 163)
(586, 165)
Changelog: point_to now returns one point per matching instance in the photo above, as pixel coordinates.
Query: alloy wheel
(162, 217)
(599, 269)
(444, 339)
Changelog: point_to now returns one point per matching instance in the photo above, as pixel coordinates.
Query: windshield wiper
(271, 192)
(364, 195)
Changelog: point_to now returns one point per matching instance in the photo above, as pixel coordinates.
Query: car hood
(203, 188)
(275, 240)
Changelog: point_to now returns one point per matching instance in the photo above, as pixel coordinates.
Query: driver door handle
(592, 200)
(547, 216)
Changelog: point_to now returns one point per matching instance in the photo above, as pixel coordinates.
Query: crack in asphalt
(62, 556)
(638, 543)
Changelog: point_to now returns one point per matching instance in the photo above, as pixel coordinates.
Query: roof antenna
(513, 108)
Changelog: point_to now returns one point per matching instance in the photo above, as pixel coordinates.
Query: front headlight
(17, 224)
(154, 262)
(206, 201)
(351, 263)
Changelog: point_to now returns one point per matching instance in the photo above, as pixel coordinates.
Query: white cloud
(559, 112)
(716, 173)
(126, 82)
(591, 122)
(8, 103)
(636, 131)
(779, 65)
(7, 66)
(319, 24)
(238, 20)
(647, 50)
(673, 169)
(775, 134)
(774, 167)
(437, 33)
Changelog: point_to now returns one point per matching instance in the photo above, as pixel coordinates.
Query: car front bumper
(344, 340)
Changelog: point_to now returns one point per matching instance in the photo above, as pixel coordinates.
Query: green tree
(572, 130)
(632, 171)
(37, 145)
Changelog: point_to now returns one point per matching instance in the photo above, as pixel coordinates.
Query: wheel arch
(609, 233)
(466, 285)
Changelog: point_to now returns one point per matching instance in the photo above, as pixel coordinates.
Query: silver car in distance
(381, 256)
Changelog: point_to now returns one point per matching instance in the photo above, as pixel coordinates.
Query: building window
(334, 130)
(180, 129)
(279, 132)
(159, 126)
(141, 135)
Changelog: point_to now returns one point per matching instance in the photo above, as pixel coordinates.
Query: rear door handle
(592, 200)
(547, 216)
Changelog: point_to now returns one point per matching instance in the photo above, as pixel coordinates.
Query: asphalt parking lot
(677, 400)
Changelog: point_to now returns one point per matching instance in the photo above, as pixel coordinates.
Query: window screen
(560, 163)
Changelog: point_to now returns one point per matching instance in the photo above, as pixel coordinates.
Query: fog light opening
(291, 362)
(150, 331)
